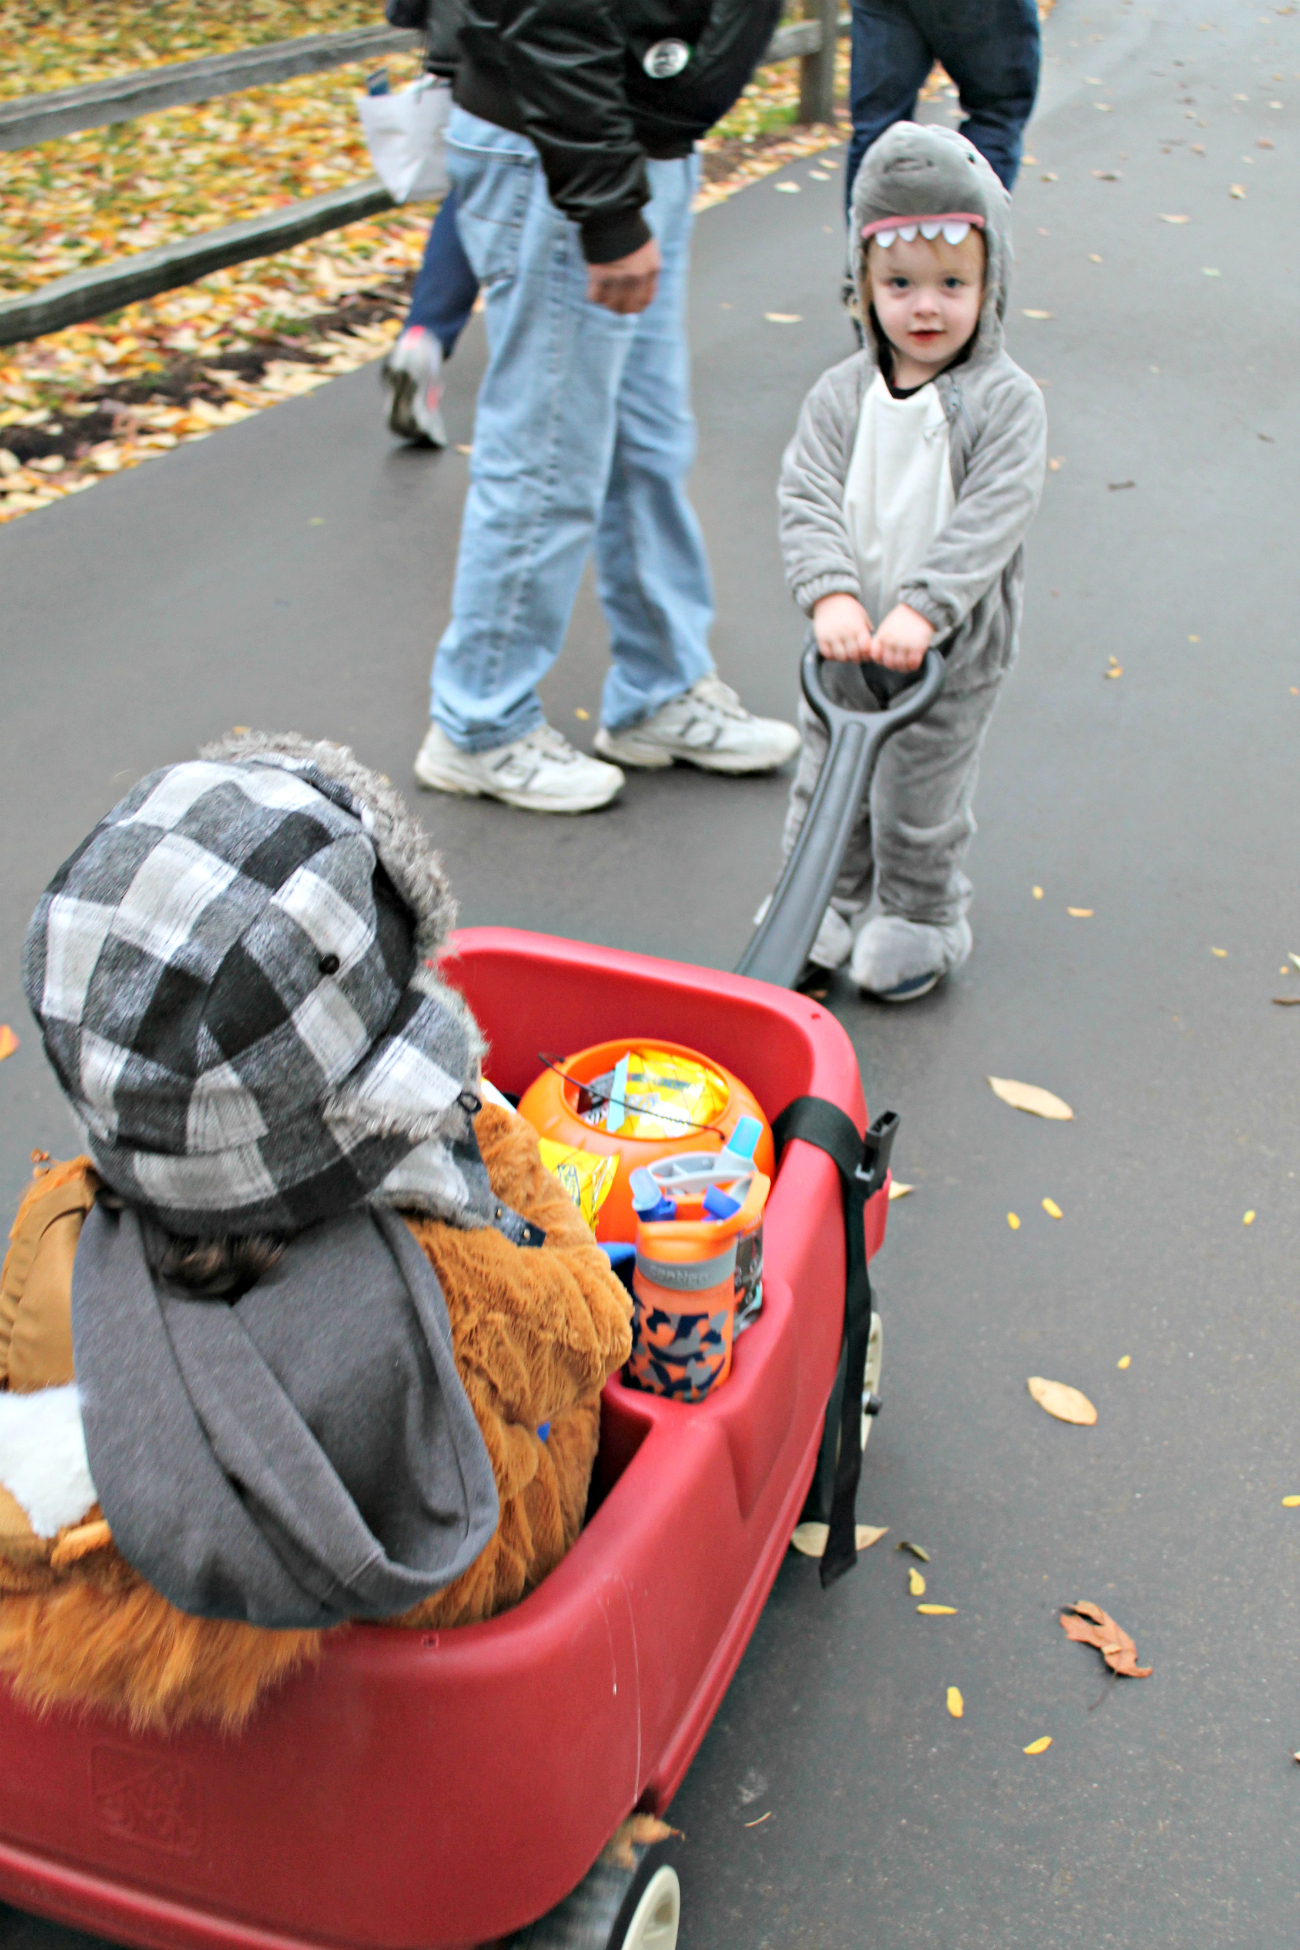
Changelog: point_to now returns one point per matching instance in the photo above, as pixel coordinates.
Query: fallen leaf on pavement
(1080, 913)
(1038, 893)
(1108, 175)
(783, 317)
(1291, 1502)
(1039, 1746)
(1168, 219)
(1038, 314)
(1287, 1001)
(8, 1041)
(1062, 1401)
(1248, 1218)
(639, 1831)
(1124, 1360)
(938, 1611)
(791, 189)
(915, 1549)
(768, 1815)
(1088, 1624)
(1295, 959)
(1222, 953)
(810, 1538)
(956, 1704)
(916, 1583)
(1052, 1209)
(1028, 1096)
(1013, 1221)
(898, 1190)
(1237, 190)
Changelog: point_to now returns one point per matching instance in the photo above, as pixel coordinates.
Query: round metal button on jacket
(665, 59)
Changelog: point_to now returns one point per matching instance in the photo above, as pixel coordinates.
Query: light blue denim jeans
(583, 437)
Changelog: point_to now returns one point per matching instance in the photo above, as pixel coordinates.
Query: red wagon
(433, 1791)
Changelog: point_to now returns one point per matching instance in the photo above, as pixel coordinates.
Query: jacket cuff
(606, 238)
(919, 598)
(834, 582)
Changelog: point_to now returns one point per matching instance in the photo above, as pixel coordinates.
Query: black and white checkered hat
(232, 979)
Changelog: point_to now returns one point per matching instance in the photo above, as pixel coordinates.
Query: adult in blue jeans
(990, 48)
(571, 151)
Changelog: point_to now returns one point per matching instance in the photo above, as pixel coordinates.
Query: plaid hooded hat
(232, 980)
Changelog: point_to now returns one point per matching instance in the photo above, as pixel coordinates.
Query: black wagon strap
(862, 1163)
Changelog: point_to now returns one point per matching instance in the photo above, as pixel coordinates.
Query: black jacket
(570, 74)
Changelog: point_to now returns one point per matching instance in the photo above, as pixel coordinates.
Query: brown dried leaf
(1062, 1401)
(1029, 1096)
(810, 1538)
(915, 1549)
(639, 1831)
(1088, 1624)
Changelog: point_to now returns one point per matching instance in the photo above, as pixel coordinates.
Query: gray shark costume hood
(929, 177)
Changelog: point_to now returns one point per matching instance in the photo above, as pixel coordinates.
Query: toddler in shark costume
(905, 495)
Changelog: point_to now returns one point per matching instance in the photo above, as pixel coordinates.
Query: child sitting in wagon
(308, 1336)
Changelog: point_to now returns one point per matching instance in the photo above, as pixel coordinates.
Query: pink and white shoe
(413, 372)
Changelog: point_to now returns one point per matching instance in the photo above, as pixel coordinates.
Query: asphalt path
(294, 571)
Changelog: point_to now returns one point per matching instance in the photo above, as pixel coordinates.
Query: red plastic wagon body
(427, 1791)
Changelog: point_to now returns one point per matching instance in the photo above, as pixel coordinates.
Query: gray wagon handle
(778, 948)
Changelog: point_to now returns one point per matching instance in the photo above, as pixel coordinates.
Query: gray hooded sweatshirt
(970, 584)
(905, 852)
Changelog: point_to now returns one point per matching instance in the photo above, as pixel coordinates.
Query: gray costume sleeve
(819, 557)
(996, 502)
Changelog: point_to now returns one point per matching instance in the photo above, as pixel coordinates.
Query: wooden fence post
(817, 71)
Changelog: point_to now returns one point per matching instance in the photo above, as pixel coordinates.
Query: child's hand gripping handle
(778, 949)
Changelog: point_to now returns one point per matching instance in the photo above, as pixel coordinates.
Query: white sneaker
(706, 726)
(539, 773)
(413, 373)
(834, 941)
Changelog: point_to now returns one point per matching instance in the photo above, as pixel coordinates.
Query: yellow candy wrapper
(585, 1175)
(652, 1095)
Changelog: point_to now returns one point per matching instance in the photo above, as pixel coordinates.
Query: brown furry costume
(536, 1332)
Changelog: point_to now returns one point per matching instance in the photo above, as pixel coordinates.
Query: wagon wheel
(612, 1908)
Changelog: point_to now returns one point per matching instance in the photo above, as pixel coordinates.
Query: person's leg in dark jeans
(993, 52)
(442, 299)
(445, 287)
(990, 48)
(890, 59)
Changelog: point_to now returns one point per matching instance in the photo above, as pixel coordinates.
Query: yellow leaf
(1116, 670)
(956, 1704)
(580, 713)
(1028, 1096)
(1062, 1401)
(1039, 1746)
(1013, 1222)
(8, 1041)
(1038, 893)
(938, 1611)
(1124, 1360)
(1295, 959)
(810, 1538)
(1080, 913)
(1291, 1502)
(916, 1583)
(1248, 1218)
(1038, 314)
(1222, 953)
(784, 317)
(1052, 1209)
(1167, 219)
(898, 1190)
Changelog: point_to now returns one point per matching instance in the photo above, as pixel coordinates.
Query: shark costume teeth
(952, 226)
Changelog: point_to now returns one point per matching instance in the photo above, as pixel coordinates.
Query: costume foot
(539, 773)
(834, 942)
(706, 726)
(413, 373)
(897, 960)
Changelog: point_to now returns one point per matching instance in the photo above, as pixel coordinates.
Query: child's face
(927, 295)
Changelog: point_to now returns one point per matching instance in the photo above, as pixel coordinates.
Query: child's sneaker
(413, 373)
(706, 726)
(538, 773)
(898, 961)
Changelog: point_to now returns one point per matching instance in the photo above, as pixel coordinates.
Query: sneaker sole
(521, 801)
(401, 412)
(906, 991)
(654, 758)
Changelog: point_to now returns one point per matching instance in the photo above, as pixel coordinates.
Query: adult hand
(902, 639)
(629, 283)
(842, 629)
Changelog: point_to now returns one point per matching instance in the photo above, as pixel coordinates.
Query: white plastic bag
(404, 133)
